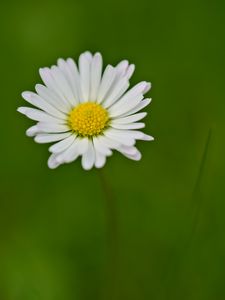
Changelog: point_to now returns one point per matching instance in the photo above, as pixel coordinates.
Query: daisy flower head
(85, 111)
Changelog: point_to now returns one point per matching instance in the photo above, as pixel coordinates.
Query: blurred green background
(170, 206)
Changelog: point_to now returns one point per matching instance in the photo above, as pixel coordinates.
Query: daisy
(86, 113)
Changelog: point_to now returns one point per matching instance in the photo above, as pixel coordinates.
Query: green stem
(112, 235)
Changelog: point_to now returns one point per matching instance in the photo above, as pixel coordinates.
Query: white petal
(131, 97)
(52, 98)
(52, 127)
(147, 88)
(62, 145)
(121, 68)
(43, 138)
(137, 108)
(107, 80)
(125, 70)
(120, 83)
(88, 55)
(136, 90)
(136, 156)
(127, 150)
(75, 78)
(52, 162)
(120, 136)
(70, 153)
(84, 67)
(83, 145)
(123, 107)
(38, 115)
(49, 80)
(32, 131)
(100, 146)
(137, 135)
(109, 143)
(128, 126)
(96, 73)
(100, 159)
(146, 137)
(22, 110)
(63, 85)
(88, 158)
(39, 102)
(65, 69)
(130, 152)
(117, 91)
(78, 147)
(130, 71)
(130, 119)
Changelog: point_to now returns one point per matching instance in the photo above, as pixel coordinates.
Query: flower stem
(112, 236)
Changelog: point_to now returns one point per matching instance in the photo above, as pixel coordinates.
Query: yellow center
(88, 119)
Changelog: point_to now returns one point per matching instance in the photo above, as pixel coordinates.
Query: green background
(55, 238)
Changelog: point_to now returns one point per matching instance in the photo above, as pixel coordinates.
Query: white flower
(87, 113)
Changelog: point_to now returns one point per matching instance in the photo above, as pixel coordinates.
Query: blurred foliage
(170, 205)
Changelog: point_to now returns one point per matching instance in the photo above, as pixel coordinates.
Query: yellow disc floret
(88, 119)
